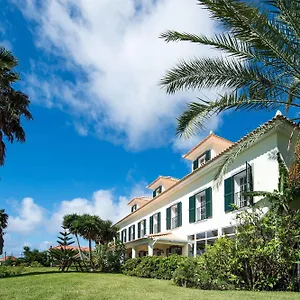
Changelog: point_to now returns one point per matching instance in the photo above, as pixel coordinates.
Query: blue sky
(102, 127)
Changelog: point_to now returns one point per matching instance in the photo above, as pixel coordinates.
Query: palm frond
(289, 13)
(194, 118)
(224, 42)
(230, 156)
(254, 26)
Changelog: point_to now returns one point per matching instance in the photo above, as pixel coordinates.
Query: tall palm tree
(3, 225)
(13, 104)
(259, 71)
(72, 222)
(89, 229)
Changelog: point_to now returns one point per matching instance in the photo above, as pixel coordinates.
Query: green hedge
(153, 266)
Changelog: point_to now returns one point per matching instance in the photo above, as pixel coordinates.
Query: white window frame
(174, 216)
(155, 223)
(200, 206)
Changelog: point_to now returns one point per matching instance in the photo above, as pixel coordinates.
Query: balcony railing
(240, 200)
(174, 222)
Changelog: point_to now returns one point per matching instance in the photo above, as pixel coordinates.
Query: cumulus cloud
(112, 51)
(29, 217)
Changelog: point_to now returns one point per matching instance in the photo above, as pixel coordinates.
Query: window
(123, 236)
(200, 206)
(174, 216)
(155, 223)
(202, 159)
(133, 208)
(157, 191)
(131, 235)
(142, 229)
(235, 188)
(204, 238)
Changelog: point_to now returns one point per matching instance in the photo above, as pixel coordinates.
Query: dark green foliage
(153, 266)
(109, 258)
(13, 104)
(3, 225)
(33, 257)
(63, 255)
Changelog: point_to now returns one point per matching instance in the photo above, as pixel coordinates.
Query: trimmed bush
(153, 266)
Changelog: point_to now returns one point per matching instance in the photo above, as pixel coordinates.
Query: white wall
(265, 176)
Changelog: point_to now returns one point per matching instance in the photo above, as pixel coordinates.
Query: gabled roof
(162, 177)
(210, 136)
(278, 117)
(143, 198)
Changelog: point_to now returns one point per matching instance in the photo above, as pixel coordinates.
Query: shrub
(7, 271)
(213, 270)
(153, 266)
(36, 264)
(129, 267)
(109, 259)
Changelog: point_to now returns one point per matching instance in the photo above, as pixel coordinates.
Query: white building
(184, 215)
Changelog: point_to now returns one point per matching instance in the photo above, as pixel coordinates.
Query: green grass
(39, 284)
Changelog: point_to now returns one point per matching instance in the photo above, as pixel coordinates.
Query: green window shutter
(228, 193)
(139, 230)
(249, 180)
(129, 234)
(179, 216)
(208, 155)
(195, 164)
(192, 210)
(125, 235)
(122, 236)
(145, 229)
(133, 232)
(151, 224)
(208, 202)
(158, 222)
(168, 218)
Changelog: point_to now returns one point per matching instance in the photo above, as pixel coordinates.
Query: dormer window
(202, 159)
(157, 191)
(133, 208)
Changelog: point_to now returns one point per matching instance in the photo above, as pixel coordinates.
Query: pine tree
(63, 254)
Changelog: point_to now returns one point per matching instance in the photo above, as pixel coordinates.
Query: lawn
(38, 285)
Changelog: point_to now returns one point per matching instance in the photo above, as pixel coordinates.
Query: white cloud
(113, 51)
(29, 217)
(34, 219)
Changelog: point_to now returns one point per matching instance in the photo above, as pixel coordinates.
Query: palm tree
(89, 229)
(72, 222)
(259, 71)
(107, 232)
(3, 225)
(13, 104)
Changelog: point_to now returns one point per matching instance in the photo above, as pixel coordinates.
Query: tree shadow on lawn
(33, 273)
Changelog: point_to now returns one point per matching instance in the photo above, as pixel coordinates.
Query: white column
(185, 250)
(133, 252)
(150, 249)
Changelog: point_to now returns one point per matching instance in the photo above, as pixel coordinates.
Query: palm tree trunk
(90, 251)
(79, 249)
